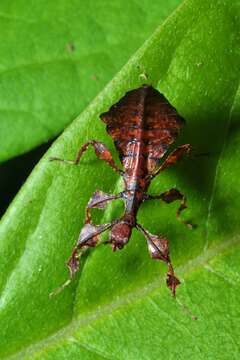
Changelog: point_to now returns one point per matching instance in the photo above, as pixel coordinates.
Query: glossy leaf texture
(56, 57)
(119, 306)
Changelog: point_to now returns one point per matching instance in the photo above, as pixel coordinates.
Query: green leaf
(56, 57)
(119, 307)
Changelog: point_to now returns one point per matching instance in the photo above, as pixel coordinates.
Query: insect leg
(99, 200)
(170, 196)
(173, 157)
(88, 238)
(159, 249)
(101, 151)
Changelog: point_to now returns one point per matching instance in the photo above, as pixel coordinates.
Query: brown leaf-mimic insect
(143, 125)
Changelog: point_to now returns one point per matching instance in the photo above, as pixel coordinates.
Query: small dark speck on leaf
(70, 47)
(94, 77)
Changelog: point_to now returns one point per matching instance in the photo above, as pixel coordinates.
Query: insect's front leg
(101, 151)
(170, 196)
(159, 250)
(99, 200)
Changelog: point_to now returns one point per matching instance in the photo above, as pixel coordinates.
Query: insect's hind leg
(88, 238)
(170, 196)
(159, 250)
(101, 152)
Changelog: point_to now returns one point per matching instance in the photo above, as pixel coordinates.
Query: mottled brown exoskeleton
(143, 125)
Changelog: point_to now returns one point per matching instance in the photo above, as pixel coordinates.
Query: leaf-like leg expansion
(101, 151)
(173, 157)
(172, 281)
(159, 250)
(99, 200)
(88, 238)
(170, 196)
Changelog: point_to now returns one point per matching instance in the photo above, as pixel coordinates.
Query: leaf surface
(119, 307)
(57, 56)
